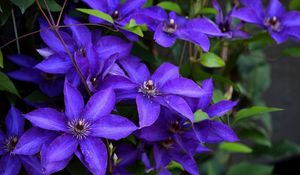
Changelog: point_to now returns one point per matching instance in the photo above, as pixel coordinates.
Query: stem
(182, 53)
(15, 30)
(61, 12)
(225, 50)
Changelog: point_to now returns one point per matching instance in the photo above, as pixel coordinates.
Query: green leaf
(134, 28)
(6, 11)
(23, 4)
(174, 165)
(293, 51)
(52, 4)
(256, 135)
(254, 111)
(149, 3)
(97, 13)
(1, 59)
(211, 60)
(294, 5)
(200, 116)
(7, 85)
(250, 169)
(208, 10)
(172, 6)
(235, 147)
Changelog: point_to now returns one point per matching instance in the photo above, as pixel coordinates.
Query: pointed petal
(55, 64)
(275, 8)
(10, 165)
(100, 104)
(148, 110)
(22, 60)
(294, 32)
(186, 160)
(247, 14)
(162, 38)
(255, 4)
(279, 37)
(220, 108)
(161, 156)
(204, 25)
(183, 87)
(110, 45)
(219, 17)
(164, 171)
(131, 5)
(32, 165)
(208, 88)
(179, 105)
(47, 118)
(32, 140)
(99, 5)
(156, 132)
(78, 31)
(165, 72)
(52, 87)
(73, 101)
(113, 127)
(29, 75)
(14, 122)
(118, 83)
(61, 148)
(196, 37)
(45, 52)
(137, 71)
(95, 155)
(291, 18)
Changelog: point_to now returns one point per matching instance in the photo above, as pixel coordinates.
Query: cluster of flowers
(165, 101)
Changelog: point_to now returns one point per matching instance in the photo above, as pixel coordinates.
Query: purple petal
(193, 36)
(186, 160)
(80, 33)
(131, 5)
(25, 74)
(91, 55)
(32, 140)
(247, 14)
(204, 25)
(45, 52)
(156, 132)
(179, 105)
(99, 5)
(219, 16)
(52, 87)
(255, 4)
(165, 72)
(275, 8)
(148, 110)
(14, 122)
(291, 18)
(118, 83)
(240, 34)
(100, 104)
(22, 60)
(220, 108)
(164, 171)
(161, 157)
(113, 127)
(162, 38)
(55, 64)
(32, 165)
(209, 131)
(183, 87)
(61, 148)
(94, 155)
(10, 165)
(208, 88)
(294, 31)
(47, 118)
(137, 71)
(110, 45)
(279, 37)
(73, 101)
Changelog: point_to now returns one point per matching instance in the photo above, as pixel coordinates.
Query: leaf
(7, 85)
(255, 135)
(1, 59)
(235, 147)
(174, 165)
(149, 3)
(6, 11)
(23, 4)
(294, 5)
(254, 111)
(97, 13)
(200, 116)
(250, 169)
(208, 10)
(134, 28)
(52, 4)
(293, 51)
(211, 60)
(172, 6)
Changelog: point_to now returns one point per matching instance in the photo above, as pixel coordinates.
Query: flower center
(10, 143)
(48, 76)
(170, 26)
(115, 15)
(80, 128)
(148, 88)
(224, 27)
(274, 23)
(82, 51)
(94, 81)
(175, 127)
(168, 143)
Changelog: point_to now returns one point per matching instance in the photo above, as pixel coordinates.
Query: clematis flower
(211, 131)
(279, 23)
(165, 87)
(51, 85)
(170, 27)
(81, 130)
(121, 13)
(225, 23)
(11, 163)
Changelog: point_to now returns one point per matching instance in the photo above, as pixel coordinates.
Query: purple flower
(81, 127)
(51, 85)
(165, 87)
(121, 13)
(279, 23)
(11, 163)
(169, 27)
(225, 23)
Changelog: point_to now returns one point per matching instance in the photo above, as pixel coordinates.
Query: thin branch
(182, 53)
(61, 12)
(15, 30)
(42, 11)
(49, 13)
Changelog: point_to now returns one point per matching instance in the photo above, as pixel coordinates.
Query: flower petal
(22, 60)
(10, 165)
(113, 127)
(118, 83)
(275, 8)
(156, 132)
(164, 171)
(183, 87)
(73, 101)
(25, 74)
(100, 104)
(131, 5)
(208, 88)
(165, 72)
(55, 64)
(99, 5)
(204, 25)
(220, 108)
(186, 160)
(196, 37)
(32, 140)
(61, 148)
(291, 18)
(47, 118)
(32, 165)
(161, 157)
(219, 17)
(162, 38)
(279, 37)
(94, 155)
(255, 4)
(14, 122)
(247, 14)
(148, 110)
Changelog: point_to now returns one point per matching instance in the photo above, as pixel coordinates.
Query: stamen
(10, 143)
(274, 23)
(148, 88)
(80, 128)
(170, 26)
(115, 15)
